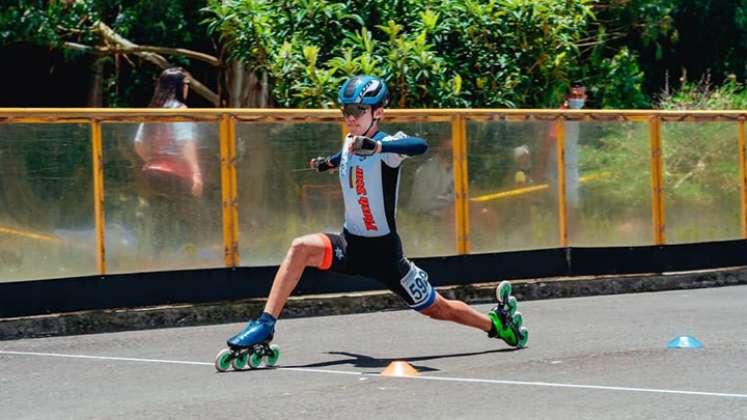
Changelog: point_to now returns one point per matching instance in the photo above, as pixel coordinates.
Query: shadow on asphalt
(368, 362)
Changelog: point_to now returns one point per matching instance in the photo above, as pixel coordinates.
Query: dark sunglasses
(354, 110)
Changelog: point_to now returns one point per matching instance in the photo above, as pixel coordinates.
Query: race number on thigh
(416, 285)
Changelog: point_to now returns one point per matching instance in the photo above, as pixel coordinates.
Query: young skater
(369, 168)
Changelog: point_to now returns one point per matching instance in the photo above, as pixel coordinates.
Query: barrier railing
(488, 184)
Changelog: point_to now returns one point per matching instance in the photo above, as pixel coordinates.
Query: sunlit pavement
(596, 357)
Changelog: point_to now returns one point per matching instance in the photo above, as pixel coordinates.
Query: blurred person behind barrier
(433, 184)
(169, 150)
(574, 99)
(432, 199)
(522, 175)
(171, 167)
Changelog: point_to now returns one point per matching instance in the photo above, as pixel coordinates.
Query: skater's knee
(298, 250)
(305, 251)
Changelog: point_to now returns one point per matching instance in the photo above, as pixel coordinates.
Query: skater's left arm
(408, 146)
(404, 145)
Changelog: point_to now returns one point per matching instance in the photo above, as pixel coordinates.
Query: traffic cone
(399, 368)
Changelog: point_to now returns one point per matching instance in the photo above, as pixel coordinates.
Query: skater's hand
(364, 146)
(321, 164)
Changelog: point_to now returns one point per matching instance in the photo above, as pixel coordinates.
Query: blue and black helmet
(364, 90)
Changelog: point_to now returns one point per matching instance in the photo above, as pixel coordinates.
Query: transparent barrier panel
(701, 181)
(279, 197)
(512, 185)
(158, 216)
(425, 214)
(608, 179)
(46, 202)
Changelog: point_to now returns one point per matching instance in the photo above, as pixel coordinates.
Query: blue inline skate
(506, 320)
(250, 346)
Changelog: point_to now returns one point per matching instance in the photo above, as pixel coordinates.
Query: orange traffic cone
(399, 368)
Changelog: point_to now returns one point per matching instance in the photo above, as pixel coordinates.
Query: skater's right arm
(323, 164)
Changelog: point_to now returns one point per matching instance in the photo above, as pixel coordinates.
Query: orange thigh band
(327, 261)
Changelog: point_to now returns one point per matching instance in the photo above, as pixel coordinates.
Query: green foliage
(169, 23)
(451, 53)
(432, 54)
(712, 39)
(703, 95)
(615, 82)
(36, 22)
(646, 28)
(50, 23)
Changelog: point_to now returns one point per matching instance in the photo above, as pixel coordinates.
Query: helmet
(364, 90)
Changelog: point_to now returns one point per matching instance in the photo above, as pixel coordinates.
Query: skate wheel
(512, 304)
(239, 363)
(523, 337)
(223, 360)
(255, 360)
(272, 359)
(503, 291)
(518, 320)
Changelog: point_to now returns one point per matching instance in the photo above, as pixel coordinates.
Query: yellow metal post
(226, 191)
(461, 190)
(742, 178)
(234, 190)
(657, 180)
(98, 195)
(562, 205)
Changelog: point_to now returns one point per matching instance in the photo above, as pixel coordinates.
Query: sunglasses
(354, 110)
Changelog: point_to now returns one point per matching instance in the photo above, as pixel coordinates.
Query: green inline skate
(507, 322)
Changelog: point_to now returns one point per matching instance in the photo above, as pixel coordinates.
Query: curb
(114, 320)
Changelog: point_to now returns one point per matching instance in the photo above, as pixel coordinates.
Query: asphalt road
(587, 358)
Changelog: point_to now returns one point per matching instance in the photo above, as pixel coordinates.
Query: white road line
(427, 378)
(598, 387)
(121, 359)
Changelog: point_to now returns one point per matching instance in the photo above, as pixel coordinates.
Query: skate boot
(250, 346)
(506, 320)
